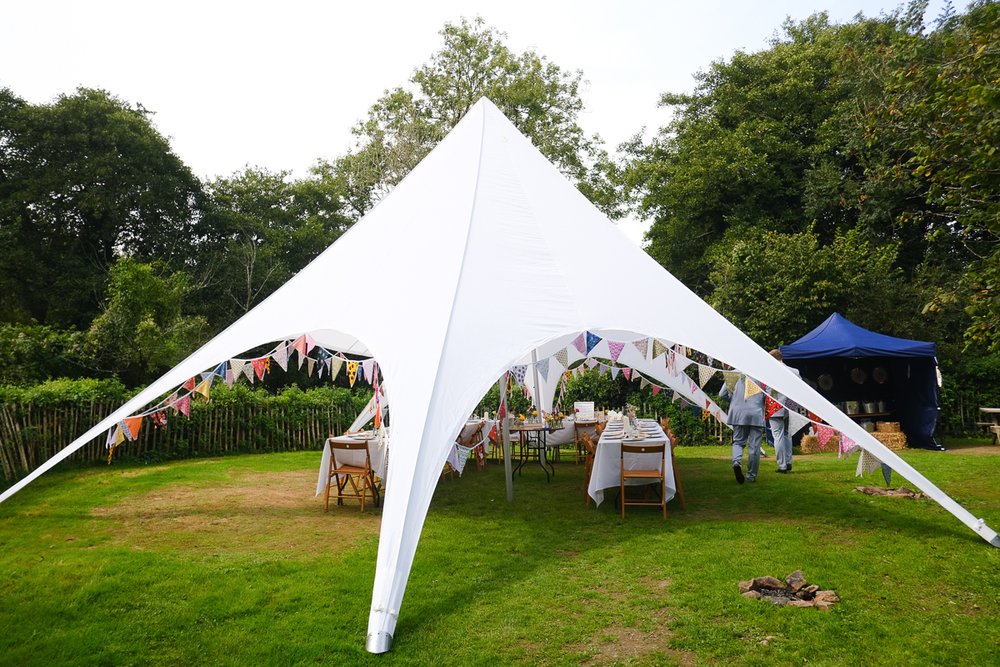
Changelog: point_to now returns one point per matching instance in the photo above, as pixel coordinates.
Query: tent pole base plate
(380, 642)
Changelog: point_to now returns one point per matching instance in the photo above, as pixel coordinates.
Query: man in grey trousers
(778, 423)
(746, 416)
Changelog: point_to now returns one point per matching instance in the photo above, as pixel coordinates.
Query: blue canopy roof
(839, 337)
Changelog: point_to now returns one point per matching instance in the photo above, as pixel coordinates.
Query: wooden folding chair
(591, 451)
(352, 481)
(647, 474)
(474, 437)
(665, 424)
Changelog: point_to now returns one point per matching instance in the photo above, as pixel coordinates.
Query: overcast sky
(279, 84)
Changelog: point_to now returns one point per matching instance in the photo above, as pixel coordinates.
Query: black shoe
(789, 468)
(782, 470)
(738, 471)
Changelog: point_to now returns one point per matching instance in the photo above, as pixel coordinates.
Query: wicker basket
(892, 440)
(810, 444)
(887, 427)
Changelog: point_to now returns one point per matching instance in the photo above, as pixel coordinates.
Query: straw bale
(887, 427)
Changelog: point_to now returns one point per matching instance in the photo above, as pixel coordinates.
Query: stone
(764, 583)
(796, 581)
(752, 595)
(827, 596)
(800, 603)
(811, 588)
(745, 585)
(824, 606)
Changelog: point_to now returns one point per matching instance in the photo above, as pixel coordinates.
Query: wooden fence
(31, 434)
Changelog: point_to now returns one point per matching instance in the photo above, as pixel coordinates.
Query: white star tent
(483, 253)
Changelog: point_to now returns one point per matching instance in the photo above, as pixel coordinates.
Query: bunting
(300, 346)
(280, 357)
(658, 348)
(676, 396)
(248, 371)
(730, 378)
(183, 405)
(867, 463)
(230, 377)
(310, 365)
(590, 363)
(518, 372)
(259, 366)
(705, 373)
(543, 369)
(310, 343)
(189, 384)
(366, 368)
(656, 389)
(824, 434)
(681, 360)
(352, 372)
(334, 366)
(205, 386)
(616, 349)
(580, 343)
(614, 372)
(641, 344)
(750, 388)
(627, 372)
(592, 340)
(847, 446)
(602, 369)
(796, 422)
(236, 366)
(221, 370)
(643, 382)
(132, 427)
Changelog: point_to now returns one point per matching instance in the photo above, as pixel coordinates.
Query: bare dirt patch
(248, 514)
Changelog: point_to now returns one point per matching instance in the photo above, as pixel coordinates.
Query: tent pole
(505, 441)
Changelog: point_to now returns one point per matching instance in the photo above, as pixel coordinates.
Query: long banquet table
(607, 462)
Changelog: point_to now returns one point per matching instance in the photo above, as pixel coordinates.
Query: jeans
(741, 435)
(782, 442)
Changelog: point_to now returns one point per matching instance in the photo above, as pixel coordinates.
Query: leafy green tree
(143, 330)
(541, 99)
(84, 180)
(777, 287)
(264, 229)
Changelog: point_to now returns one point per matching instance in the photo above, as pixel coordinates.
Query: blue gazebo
(848, 363)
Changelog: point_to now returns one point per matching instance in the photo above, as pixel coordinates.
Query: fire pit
(794, 591)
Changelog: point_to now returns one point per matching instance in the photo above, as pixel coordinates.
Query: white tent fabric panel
(484, 230)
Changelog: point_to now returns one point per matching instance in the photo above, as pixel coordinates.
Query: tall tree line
(847, 167)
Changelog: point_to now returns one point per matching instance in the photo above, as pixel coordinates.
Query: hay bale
(887, 427)
(810, 444)
(894, 441)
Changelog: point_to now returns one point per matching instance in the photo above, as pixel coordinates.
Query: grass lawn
(232, 561)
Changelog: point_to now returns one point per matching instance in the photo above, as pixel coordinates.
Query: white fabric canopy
(484, 230)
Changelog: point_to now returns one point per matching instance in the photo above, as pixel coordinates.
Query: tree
(541, 99)
(142, 330)
(83, 181)
(264, 228)
(757, 146)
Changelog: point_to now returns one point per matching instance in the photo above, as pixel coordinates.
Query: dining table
(607, 470)
(534, 440)
(377, 453)
(993, 423)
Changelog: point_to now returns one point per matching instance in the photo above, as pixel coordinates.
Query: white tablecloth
(376, 453)
(607, 462)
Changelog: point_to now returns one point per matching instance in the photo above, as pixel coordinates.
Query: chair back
(583, 409)
(659, 448)
(588, 444)
(352, 446)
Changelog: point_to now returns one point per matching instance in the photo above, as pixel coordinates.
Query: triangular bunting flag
(221, 370)
(310, 366)
(824, 434)
(867, 463)
(627, 372)
(310, 343)
(602, 369)
(518, 373)
(658, 348)
(731, 378)
(590, 363)
(887, 474)
(676, 396)
(592, 340)
(205, 387)
(643, 383)
(750, 388)
(259, 366)
(248, 371)
(230, 378)
(300, 346)
(642, 345)
(236, 366)
(562, 356)
(352, 372)
(616, 349)
(614, 372)
(680, 360)
(543, 369)
(705, 373)
(580, 343)
(119, 435)
(280, 357)
(796, 422)
(111, 436)
(656, 389)
(366, 368)
(133, 426)
(189, 385)
(183, 405)
(334, 366)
